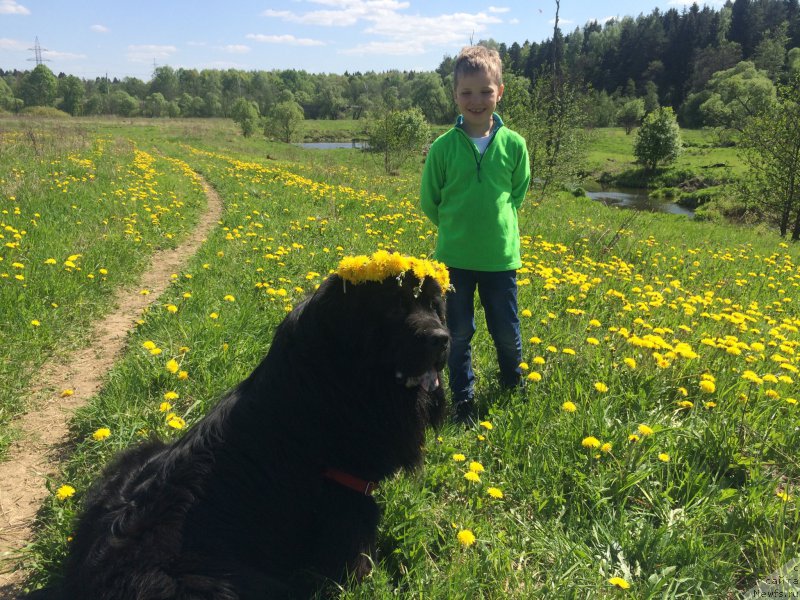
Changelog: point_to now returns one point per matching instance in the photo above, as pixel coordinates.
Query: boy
(475, 178)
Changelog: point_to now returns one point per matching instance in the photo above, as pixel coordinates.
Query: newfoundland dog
(269, 495)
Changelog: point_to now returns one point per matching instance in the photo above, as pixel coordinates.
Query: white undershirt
(481, 142)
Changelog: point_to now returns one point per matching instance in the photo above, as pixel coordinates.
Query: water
(332, 145)
(638, 200)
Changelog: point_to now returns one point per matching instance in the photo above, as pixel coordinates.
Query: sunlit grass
(654, 445)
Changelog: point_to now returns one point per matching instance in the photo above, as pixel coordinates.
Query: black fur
(238, 507)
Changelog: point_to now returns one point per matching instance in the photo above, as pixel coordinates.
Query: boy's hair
(475, 59)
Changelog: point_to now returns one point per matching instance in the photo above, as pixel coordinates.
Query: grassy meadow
(653, 453)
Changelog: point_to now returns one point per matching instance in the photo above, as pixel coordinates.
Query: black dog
(269, 495)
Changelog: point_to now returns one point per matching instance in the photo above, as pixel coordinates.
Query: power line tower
(37, 53)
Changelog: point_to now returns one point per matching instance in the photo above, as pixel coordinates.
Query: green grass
(81, 215)
(598, 286)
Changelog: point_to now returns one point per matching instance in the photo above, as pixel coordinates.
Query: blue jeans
(498, 295)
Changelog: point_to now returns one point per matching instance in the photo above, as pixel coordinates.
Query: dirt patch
(44, 430)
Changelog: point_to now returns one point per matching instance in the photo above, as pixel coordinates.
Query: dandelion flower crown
(383, 264)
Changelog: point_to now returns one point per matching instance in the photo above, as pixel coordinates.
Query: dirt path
(37, 453)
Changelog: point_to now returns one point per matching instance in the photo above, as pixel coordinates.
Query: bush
(47, 112)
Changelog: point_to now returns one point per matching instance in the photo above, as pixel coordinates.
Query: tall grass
(655, 441)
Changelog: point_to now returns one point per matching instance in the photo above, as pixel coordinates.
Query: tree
(658, 140)
(284, 121)
(71, 90)
(736, 95)
(398, 135)
(39, 87)
(630, 114)
(771, 148)
(245, 114)
(123, 104)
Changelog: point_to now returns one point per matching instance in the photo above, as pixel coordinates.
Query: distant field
(655, 444)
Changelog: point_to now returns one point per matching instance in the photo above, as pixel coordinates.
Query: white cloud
(9, 44)
(149, 52)
(100, 28)
(289, 40)
(513, 21)
(498, 9)
(55, 54)
(396, 33)
(235, 48)
(10, 7)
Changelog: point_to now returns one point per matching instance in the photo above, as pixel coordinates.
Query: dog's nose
(438, 340)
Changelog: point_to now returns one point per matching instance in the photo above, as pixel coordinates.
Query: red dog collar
(350, 481)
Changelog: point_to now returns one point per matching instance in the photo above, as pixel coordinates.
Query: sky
(93, 38)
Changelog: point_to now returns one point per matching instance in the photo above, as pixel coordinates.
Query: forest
(662, 59)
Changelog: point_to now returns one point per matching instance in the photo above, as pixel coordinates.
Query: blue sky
(90, 38)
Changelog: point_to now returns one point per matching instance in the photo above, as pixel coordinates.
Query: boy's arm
(521, 177)
(430, 189)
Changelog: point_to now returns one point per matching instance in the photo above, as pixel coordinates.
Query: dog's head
(376, 333)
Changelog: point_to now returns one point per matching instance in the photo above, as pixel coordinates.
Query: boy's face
(477, 95)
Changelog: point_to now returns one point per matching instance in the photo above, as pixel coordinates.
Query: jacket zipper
(479, 157)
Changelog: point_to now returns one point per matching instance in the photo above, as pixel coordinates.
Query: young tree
(245, 114)
(71, 90)
(770, 145)
(398, 135)
(658, 140)
(630, 114)
(284, 121)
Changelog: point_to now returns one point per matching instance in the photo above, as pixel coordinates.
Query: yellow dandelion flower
(526, 313)
(213, 315)
(155, 351)
(182, 375)
(685, 404)
(466, 538)
(164, 407)
(590, 442)
(783, 495)
(36, 323)
(149, 345)
(486, 425)
(710, 404)
(644, 429)
(630, 362)
(172, 308)
(619, 582)
(101, 434)
(64, 492)
(229, 298)
(476, 467)
(594, 323)
(472, 476)
(176, 422)
(66, 393)
(172, 365)
(538, 360)
(524, 366)
(633, 438)
(707, 386)
(663, 457)
(606, 447)
(593, 341)
(569, 406)
(601, 387)
(534, 376)
(171, 396)
(683, 391)
(458, 457)
(535, 340)
(495, 492)
(790, 400)
(708, 377)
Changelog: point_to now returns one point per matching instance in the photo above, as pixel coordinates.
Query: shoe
(464, 413)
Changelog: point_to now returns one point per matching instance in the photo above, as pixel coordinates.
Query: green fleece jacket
(473, 198)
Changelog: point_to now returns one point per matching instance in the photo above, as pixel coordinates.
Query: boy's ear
(501, 88)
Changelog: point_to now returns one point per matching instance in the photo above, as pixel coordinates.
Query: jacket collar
(497, 123)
